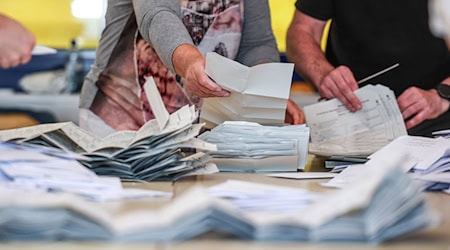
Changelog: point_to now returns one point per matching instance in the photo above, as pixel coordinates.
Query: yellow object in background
(54, 25)
(51, 21)
(281, 12)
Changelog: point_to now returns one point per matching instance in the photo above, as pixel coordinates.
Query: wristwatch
(444, 91)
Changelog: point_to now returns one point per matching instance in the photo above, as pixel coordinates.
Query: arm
(258, 43)
(160, 24)
(258, 46)
(16, 43)
(418, 105)
(303, 48)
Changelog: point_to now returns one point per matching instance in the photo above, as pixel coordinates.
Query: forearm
(258, 44)
(184, 56)
(161, 26)
(305, 52)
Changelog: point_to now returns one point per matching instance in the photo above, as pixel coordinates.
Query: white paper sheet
(257, 93)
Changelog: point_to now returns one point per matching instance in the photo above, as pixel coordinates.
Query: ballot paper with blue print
(385, 206)
(38, 170)
(335, 131)
(252, 147)
(160, 150)
(257, 94)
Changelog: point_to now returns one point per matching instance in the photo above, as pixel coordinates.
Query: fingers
(198, 83)
(418, 105)
(294, 115)
(14, 59)
(16, 43)
(340, 83)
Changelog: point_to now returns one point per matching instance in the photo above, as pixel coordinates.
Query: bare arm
(16, 43)
(303, 48)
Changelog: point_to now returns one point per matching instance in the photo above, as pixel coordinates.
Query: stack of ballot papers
(39, 170)
(428, 159)
(249, 196)
(257, 94)
(251, 147)
(385, 206)
(154, 152)
(337, 131)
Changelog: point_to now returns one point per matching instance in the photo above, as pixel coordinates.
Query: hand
(294, 115)
(16, 43)
(198, 83)
(340, 83)
(190, 64)
(419, 105)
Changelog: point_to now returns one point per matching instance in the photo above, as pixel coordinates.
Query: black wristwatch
(444, 91)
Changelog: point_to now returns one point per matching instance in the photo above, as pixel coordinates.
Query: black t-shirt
(370, 35)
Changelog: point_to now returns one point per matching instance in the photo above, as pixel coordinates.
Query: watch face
(444, 90)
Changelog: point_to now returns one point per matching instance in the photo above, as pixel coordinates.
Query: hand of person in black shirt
(418, 105)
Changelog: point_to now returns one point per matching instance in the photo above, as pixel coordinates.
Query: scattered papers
(257, 94)
(347, 177)
(154, 152)
(304, 175)
(23, 168)
(428, 158)
(337, 131)
(385, 206)
(251, 147)
(248, 196)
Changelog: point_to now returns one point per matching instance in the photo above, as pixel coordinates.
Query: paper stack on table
(38, 170)
(427, 158)
(257, 94)
(337, 131)
(251, 147)
(153, 152)
(385, 206)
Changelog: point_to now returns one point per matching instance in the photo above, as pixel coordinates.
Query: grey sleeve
(258, 43)
(159, 23)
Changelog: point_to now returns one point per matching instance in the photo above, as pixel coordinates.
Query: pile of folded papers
(251, 147)
(39, 170)
(385, 206)
(148, 154)
(427, 160)
(162, 149)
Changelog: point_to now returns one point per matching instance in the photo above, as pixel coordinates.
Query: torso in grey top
(139, 39)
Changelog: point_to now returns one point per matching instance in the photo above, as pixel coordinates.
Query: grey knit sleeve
(258, 43)
(160, 25)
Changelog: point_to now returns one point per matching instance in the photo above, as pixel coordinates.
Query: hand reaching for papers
(340, 83)
(190, 64)
(16, 43)
(294, 115)
(419, 105)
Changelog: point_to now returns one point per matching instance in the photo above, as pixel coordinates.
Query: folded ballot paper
(39, 169)
(337, 131)
(153, 152)
(427, 159)
(257, 94)
(251, 147)
(385, 206)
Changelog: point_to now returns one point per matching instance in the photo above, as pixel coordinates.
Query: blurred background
(73, 27)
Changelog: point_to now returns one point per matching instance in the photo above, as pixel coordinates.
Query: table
(436, 238)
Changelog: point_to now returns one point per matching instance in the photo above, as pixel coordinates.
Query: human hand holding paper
(258, 94)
